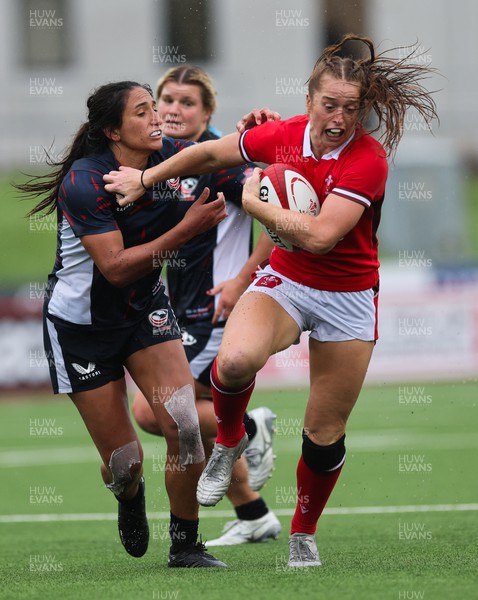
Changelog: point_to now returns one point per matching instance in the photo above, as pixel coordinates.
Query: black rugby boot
(133, 524)
(193, 556)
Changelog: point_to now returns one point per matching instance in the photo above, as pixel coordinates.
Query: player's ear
(112, 134)
(207, 116)
(308, 104)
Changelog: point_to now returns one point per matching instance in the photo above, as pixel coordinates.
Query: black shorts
(82, 358)
(201, 342)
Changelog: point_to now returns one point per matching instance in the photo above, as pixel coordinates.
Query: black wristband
(142, 182)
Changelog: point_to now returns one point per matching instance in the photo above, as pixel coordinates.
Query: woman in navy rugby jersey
(106, 309)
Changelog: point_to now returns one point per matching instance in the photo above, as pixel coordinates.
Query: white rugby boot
(216, 477)
(244, 532)
(303, 551)
(259, 454)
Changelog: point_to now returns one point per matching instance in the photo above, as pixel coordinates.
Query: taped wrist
(323, 459)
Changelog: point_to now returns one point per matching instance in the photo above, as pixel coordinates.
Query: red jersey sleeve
(272, 141)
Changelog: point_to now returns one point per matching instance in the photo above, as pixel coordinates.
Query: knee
(144, 415)
(181, 407)
(329, 429)
(125, 467)
(235, 366)
(323, 459)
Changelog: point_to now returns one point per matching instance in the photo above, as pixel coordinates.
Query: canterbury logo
(84, 370)
(188, 339)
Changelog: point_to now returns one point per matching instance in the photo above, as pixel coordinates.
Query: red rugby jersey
(357, 170)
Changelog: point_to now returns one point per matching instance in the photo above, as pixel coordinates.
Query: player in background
(205, 278)
(106, 309)
(330, 288)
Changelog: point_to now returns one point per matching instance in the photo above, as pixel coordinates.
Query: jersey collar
(330, 155)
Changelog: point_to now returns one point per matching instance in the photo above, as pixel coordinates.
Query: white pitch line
(219, 514)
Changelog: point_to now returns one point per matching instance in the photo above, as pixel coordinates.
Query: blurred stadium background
(54, 52)
(419, 405)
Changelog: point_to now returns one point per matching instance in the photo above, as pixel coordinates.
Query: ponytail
(389, 87)
(50, 183)
(105, 111)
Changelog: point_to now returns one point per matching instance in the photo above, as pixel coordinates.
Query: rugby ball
(284, 186)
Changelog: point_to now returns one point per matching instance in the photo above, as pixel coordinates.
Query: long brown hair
(389, 87)
(105, 111)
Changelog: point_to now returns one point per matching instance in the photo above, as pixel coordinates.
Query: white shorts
(329, 316)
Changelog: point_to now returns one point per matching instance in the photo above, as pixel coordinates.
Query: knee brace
(121, 462)
(323, 459)
(182, 409)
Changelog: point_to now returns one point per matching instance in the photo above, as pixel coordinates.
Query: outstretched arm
(206, 157)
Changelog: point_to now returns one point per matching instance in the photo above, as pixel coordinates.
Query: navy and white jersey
(213, 256)
(77, 292)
